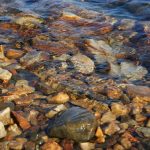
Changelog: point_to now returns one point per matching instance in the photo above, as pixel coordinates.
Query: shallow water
(133, 9)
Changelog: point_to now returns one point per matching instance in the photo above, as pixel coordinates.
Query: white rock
(5, 116)
(87, 146)
(5, 75)
(83, 64)
(3, 132)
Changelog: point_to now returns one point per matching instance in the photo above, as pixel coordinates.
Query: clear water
(133, 9)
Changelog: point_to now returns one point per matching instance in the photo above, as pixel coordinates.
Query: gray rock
(34, 56)
(144, 130)
(3, 132)
(132, 72)
(83, 64)
(75, 123)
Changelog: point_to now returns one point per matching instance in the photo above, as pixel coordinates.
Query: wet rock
(100, 135)
(14, 130)
(148, 123)
(114, 92)
(5, 75)
(108, 117)
(101, 50)
(83, 64)
(2, 56)
(70, 125)
(51, 145)
(4, 146)
(3, 132)
(33, 117)
(144, 130)
(29, 145)
(126, 24)
(132, 72)
(28, 21)
(14, 54)
(67, 144)
(3, 105)
(5, 116)
(60, 98)
(15, 145)
(63, 57)
(111, 129)
(140, 117)
(54, 111)
(119, 109)
(134, 90)
(118, 147)
(24, 124)
(32, 57)
(126, 143)
(87, 146)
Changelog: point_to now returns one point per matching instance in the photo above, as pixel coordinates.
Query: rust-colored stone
(12, 53)
(24, 124)
(51, 145)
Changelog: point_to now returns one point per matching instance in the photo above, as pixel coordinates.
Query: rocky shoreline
(75, 80)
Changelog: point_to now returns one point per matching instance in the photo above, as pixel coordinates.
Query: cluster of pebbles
(76, 80)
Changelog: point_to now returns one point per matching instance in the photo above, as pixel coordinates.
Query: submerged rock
(75, 123)
(132, 72)
(83, 64)
(34, 56)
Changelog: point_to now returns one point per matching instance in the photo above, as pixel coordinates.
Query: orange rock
(100, 136)
(114, 92)
(24, 124)
(67, 145)
(12, 53)
(51, 145)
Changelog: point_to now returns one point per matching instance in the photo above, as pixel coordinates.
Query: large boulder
(75, 123)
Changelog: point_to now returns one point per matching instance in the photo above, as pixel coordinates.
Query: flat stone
(83, 64)
(144, 130)
(14, 54)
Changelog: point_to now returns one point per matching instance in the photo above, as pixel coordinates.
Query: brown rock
(24, 124)
(60, 98)
(126, 143)
(87, 146)
(67, 145)
(13, 54)
(51, 145)
(111, 128)
(29, 146)
(15, 145)
(108, 117)
(114, 92)
(134, 91)
(119, 109)
(118, 147)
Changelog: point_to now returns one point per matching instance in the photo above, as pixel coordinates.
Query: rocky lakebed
(73, 79)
